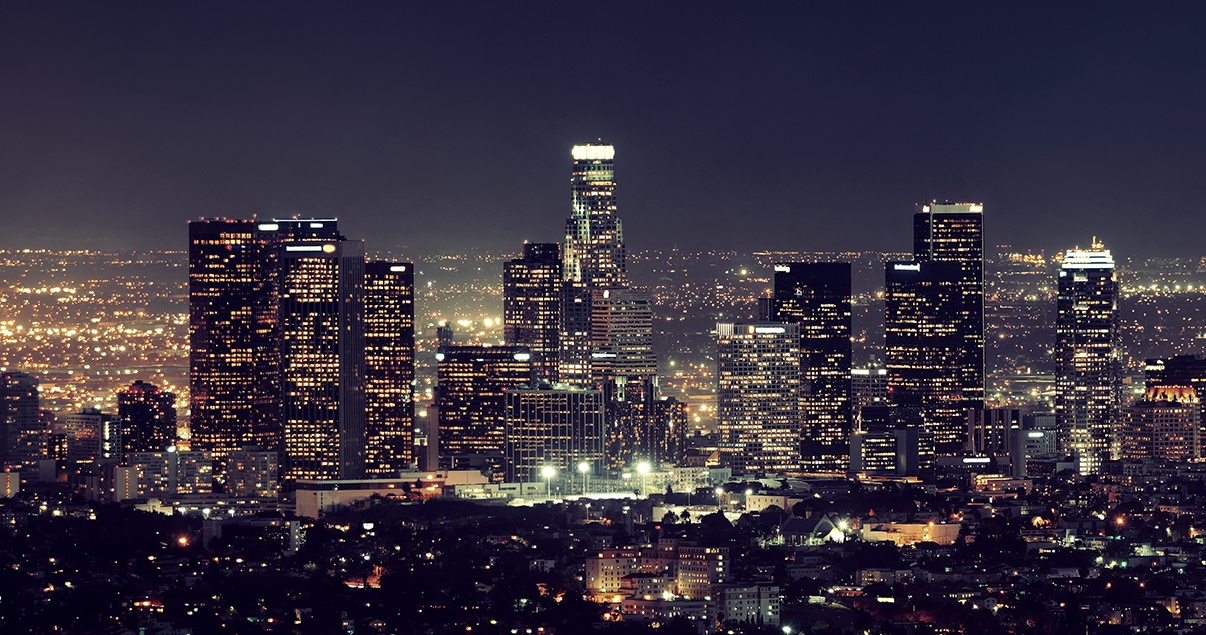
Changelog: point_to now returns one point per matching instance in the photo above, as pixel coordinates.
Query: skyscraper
(621, 333)
(532, 306)
(816, 297)
(955, 233)
(148, 418)
(234, 336)
(1087, 365)
(322, 277)
(925, 346)
(594, 236)
(389, 367)
(471, 401)
(22, 436)
(758, 396)
(559, 427)
(1164, 425)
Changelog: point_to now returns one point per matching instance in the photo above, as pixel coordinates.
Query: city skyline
(822, 122)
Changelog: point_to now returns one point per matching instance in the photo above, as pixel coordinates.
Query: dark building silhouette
(816, 297)
(148, 419)
(925, 346)
(471, 401)
(23, 438)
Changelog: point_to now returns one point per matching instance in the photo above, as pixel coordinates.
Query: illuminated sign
(268, 227)
(903, 267)
(303, 248)
(769, 329)
(398, 268)
(783, 268)
(522, 357)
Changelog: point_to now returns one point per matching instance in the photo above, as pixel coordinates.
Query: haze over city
(443, 127)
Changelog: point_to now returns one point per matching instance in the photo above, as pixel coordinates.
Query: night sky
(446, 125)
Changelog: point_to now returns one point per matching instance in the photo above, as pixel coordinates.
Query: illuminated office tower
(532, 306)
(471, 401)
(148, 418)
(91, 436)
(1087, 365)
(955, 233)
(574, 366)
(322, 277)
(816, 297)
(234, 336)
(924, 346)
(1165, 425)
(560, 427)
(389, 367)
(594, 236)
(868, 386)
(621, 333)
(758, 397)
(23, 438)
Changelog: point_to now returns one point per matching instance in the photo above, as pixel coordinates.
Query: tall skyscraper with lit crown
(1087, 359)
(594, 235)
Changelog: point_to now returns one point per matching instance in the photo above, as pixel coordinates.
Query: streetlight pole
(643, 468)
(584, 467)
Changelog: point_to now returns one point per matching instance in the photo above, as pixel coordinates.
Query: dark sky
(431, 126)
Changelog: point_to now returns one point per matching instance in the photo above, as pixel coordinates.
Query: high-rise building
(322, 277)
(868, 386)
(532, 306)
(594, 236)
(574, 366)
(22, 436)
(389, 367)
(758, 397)
(148, 418)
(1165, 425)
(471, 401)
(253, 473)
(621, 333)
(925, 347)
(816, 297)
(1087, 366)
(560, 427)
(91, 436)
(955, 233)
(234, 336)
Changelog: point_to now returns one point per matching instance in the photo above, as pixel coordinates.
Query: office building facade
(816, 297)
(471, 401)
(1087, 362)
(759, 396)
(148, 418)
(389, 367)
(559, 427)
(532, 295)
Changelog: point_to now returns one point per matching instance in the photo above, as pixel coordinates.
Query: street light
(584, 467)
(548, 472)
(643, 468)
